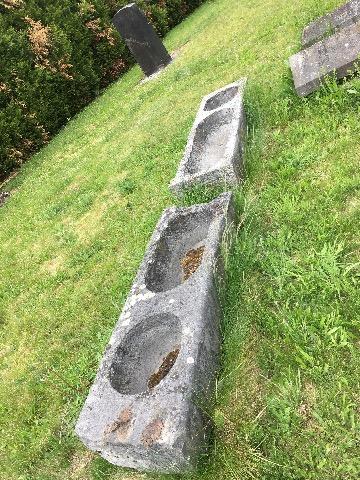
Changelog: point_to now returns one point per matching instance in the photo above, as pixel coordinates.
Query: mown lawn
(82, 210)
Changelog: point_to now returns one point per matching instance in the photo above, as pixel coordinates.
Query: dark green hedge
(55, 57)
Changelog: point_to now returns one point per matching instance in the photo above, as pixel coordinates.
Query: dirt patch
(122, 425)
(79, 463)
(152, 432)
(192, 261)
(306, 407)
(3, 197)
(167, 364)
(52, 266)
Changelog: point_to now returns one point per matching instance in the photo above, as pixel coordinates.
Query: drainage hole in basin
(167, 364)
(192, 261)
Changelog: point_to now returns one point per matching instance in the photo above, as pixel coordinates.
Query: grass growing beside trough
(82, 210)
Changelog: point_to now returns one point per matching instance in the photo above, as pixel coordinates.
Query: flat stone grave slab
(337, 55)
(330, 23)
(214, 150)
(141, 39)
(145, 408)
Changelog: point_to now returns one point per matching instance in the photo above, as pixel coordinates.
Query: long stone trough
(215, 145)
(330, 23)
(145, 409)
(337, 55)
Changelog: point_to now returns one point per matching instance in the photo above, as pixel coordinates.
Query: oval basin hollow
(179, 252)
(147, 354)
(211, 141)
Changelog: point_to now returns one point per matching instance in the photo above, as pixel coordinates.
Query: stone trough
(330, 23)
(337, 55)
(145, 408)
(215, 146)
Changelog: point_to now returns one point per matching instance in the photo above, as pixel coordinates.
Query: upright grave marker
(141, 39)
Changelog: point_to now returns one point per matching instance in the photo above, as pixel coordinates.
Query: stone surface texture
(214, 150)
(145, 409)
(330, 23)
(141, 39)
(337, 55)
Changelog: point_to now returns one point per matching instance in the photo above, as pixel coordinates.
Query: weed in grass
(127, 186)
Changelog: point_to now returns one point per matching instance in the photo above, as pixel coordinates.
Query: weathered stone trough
(337, 55)
(330, 23)
(214, 150)
(144, 409)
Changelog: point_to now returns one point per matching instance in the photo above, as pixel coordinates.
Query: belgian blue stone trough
(145, 408)
(215, 146)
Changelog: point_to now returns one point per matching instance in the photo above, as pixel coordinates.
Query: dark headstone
(337, 55)
(331, 22)
(141, 39)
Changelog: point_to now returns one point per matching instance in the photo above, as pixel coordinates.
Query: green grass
(82, 210)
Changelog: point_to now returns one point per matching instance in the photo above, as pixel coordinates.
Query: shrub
(55, 58)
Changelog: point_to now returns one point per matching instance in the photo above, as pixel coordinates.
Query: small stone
(3, 197)
(134, 299)
(148, 295)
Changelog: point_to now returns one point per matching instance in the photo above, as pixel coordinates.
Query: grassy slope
(75, 230)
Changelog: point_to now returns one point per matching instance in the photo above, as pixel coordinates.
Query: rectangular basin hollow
(211, 141)
(219, 99)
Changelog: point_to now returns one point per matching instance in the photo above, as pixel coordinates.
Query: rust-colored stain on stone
(167, 364)
(152, 432)
(122, 425)
(192, 261)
